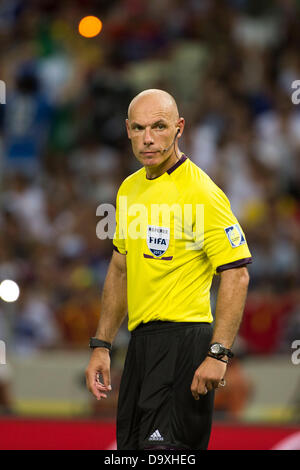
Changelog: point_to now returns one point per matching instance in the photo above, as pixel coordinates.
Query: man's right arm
(113, 312)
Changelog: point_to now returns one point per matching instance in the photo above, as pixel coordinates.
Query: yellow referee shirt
(177, 231)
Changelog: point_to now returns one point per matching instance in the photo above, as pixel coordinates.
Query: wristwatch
(218, 351)
(98, 343)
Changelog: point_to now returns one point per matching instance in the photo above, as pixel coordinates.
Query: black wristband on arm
(98, 343)
(217, 358)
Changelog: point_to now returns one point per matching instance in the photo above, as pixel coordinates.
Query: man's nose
(148, 138)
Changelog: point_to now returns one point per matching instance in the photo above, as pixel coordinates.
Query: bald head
(154, 127)
(155, 99)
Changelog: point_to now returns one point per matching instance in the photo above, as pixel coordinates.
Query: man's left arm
(231, 299)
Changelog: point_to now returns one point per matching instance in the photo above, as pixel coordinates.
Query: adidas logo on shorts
(156, 436)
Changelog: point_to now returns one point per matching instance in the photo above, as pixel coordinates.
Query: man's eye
(160, 126)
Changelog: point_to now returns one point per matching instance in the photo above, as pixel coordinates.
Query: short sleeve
(224, 240)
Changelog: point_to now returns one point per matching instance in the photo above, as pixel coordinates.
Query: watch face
(216, 348)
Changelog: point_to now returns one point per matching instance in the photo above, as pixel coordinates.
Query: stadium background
(230, 65)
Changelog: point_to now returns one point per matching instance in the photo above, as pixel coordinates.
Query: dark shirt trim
(182, 159)
(235, 264)
(116, 249)
(165, 258)
(180, 162)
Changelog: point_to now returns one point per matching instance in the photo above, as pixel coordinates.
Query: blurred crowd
(64, 150)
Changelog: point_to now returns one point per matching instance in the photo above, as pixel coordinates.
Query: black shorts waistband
(158, 325)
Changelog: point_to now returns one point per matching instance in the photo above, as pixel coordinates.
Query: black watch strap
(98, 343)
(217, 358)
(218, 350)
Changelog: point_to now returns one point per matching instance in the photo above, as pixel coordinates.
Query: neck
(155, 172)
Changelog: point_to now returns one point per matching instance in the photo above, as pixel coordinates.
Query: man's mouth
(149, 153)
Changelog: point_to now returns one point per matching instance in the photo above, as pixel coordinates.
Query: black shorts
(156, 407)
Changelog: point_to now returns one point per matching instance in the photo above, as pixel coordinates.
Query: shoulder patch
(235, 235)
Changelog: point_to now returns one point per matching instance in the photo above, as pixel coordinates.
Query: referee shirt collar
(182, 159)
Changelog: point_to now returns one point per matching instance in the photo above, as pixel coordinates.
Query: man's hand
(207, 377)
(113, 311)
(99, 364)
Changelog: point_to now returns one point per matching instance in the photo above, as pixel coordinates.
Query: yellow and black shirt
(177, 231)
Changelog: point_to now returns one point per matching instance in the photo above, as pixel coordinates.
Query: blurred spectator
(26, 123)
(97, 169)
(27, 204)
(34, 325)
(266, 316)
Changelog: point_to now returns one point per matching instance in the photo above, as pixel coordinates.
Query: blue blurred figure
(27, 116)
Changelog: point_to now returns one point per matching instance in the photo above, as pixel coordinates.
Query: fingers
(198, 387)
(201, 385)
(105, 379)
(211, 386)
(98, 373)
(208, 376)
(98, 383)
(91, 384)
(222, 383)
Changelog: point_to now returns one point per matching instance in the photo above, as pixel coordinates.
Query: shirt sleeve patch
(235, 235)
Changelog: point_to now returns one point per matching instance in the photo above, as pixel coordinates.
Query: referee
(160, 274)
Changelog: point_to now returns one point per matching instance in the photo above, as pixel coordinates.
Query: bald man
(174, 231)
(156, 147)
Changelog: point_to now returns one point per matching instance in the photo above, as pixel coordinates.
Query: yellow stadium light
(90, 26)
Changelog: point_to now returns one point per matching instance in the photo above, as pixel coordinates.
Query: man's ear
(180, 126)
(128, 129)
